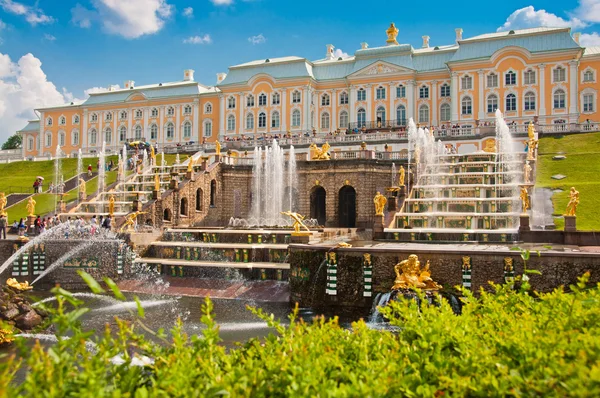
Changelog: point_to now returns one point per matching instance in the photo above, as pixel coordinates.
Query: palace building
(542, 75)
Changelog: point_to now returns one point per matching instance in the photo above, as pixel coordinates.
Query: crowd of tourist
(71, 227)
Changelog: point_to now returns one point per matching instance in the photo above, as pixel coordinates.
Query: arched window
(187, 129)
(139, 113)
(262, 120)
(122, 133)
(153, 132)
(76, 119)
(529, 77)
(250, 101)
(48, 121)
(423, 114)
(187, 110)
(167, 215)
(400, 91)
(250, 121)
(94, 117)
(466, 106)
(48, 139)
(75, 137)
(492, 80)
(262, 100)
(208, 108)
(296, 97)
(61, 138)
(361, 117)
(588, 102)
(123, 115)
(361, 94)
(423, 92)
(208, 128)
(154, 112)
(510, 78)
(108, 116)
(492, 103)
(183, 207)
(62, 121)
(466, 83)
(559, 74)
(138, 132)
(213, 193)
(230, 123)
(344, 119)
(325, 120)
(588, 76)
(380, 93)
(170, 111)
(275, 99)
(445, 90)
(275, 120)
(381, 115)
(231, 103)
(401, 115)
(199, 199)
(170, 131)
(93, 136)
(30, 144)
(108, 135)
(445, 113)
(511, 102)
(325, 100)
(296, 118)
(559, 99)
(344, 98)
(529, 101)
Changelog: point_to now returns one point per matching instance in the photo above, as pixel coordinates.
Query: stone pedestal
(570, 223)
(218, 158)
(524, 223)
(174, 184)
(300, 237)
(31, 225)
(155, 194)
(204, 164)
(402, 191)
(392, 203)
(189, 175)
(378, 227)
(137, 204)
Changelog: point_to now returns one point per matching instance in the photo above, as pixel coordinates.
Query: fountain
(58, 177)
(102, 168)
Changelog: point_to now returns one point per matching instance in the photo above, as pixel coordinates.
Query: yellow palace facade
(542, 75)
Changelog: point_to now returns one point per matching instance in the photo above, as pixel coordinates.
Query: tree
(13, 142)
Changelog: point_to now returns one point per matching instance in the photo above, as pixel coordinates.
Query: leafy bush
(504, 343)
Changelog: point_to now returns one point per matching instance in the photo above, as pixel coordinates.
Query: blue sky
(83, 44)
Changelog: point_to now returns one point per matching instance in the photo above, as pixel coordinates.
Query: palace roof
(32, 125)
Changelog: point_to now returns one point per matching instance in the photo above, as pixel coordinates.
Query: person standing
(3, 222)
(89, 170)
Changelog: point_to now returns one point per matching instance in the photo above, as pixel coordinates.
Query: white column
(434, 103)
(410, 100)
(178, 136)
(221, 116)
(40, 141)
(145, 117)
(130, 114)
(161, 127)
(306, 102)
(480, 110)
(369, 102)
(284, 110)
(391, 115)
(351, 105)
(242, 121)
(454, 97)
(83, 134)
(542, 83)
(196, 131)
(573, 92)
(333, 119)
(114, 119)
(100, 132)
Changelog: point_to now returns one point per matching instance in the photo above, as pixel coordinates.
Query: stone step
(213, 264)
(204, 245)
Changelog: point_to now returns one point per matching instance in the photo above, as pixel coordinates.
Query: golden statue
(410, 275)
(31, 206)
(524, 199)
(130, 221)
(218, 147)
(401, 176)
(532, 145)
(152, 155)
(3, 202)
(490, 146)
(297, 220)
(111, 205)
(156, 182)
(82, 186)
(466, 263)
(527, 172)
(531, 131)
(343, 244)
(190, 166)
(508, 264)
(573, 202)
(380, 202)
(12, 282)
(367, 259)
(392, 33)
(321, 154)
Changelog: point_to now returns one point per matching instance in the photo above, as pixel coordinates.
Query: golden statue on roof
(392, 33)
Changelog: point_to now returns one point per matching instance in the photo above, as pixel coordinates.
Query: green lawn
(582, 168)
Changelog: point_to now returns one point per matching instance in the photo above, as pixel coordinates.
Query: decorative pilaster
(480, 103)
(241, 125)
(331, 274)
(454, 97)
(284, 110)
(352, 105)
(369, 88)
(434, 103)
(542, 84)
(333, 119)
(83, 135)
(410, 100)
(306, 106)
(221, 116)
(573, 92)
(196, 130)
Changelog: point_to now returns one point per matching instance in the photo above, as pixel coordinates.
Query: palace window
(424, 93)
(344, 119)
(230, 123)
(325, 120)
(401, 115)
(262, 100)
(296, 97)
(93, 136)
(108, 135)
(94, 118)
(361, 95)
(275, 99)
(187, 110)
(138, 132)
(154, 112)
(492, 103)
(529, 101)
(76, 119)
(208, 108)
(250, 101)
(62, 121)
(170, 131)
(511, 103)
(325, 100)
(423, 114)
(445, 112)
(529, 77)
(108, 116)
(466, 106)
(208, 128)
(510, 78)
(262, 120)
(588, 76)
(400, 91)
(75, 137)
(170, 111)
(559, 99)
(250, 121)
(492, 80)
(361, 117)
(187, 129)
(123, 115)
(275, 120)
(344, 98)
(231, 103)
(466, 83)
(48, 121)
(61, 138)
(139, 114)
(154, 132)
(445, 91)
(588, 102)
(380, 93)
(30, 144)
(122, 133)
(559, 74)
(296, 118)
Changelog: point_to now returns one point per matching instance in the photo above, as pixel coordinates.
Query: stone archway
(167, 215)
(318, 201)
(213, 193)
(347, 207)
(183, 208)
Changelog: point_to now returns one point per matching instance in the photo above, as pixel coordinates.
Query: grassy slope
(582, 168)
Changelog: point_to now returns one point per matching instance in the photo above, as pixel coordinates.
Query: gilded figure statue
(410, 275)
(380, 202)
(111, 205)
(367, 259)
(22, 286)
(190, 166)
(343, 244)
(156, 182)
(130, 221)
(466, 263)
(524, 196)
(332, 258)
(321, 154)
(31, 206)
(531, 131)
(401, 176)
(297, 220)
(152, 155)
(3, 202)
(527, 172)
(218, 147)
(573, 202)
(508, 264)
(392, 34)
(490, 146)
(82, 188)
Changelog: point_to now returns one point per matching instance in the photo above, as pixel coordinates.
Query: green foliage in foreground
(504, 343)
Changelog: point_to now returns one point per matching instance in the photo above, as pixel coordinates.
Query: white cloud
(588, 10)
(339, 53)
(222, 2)
(528, 17)
(2, 25)
(33, 15)
(94, 90)
(188, 12)
(49, 37)
(130, 19)
(258, 39)
(205, 39)
(589, 39)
